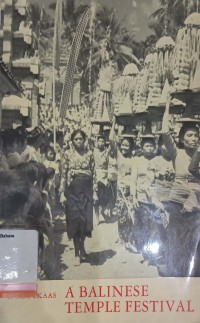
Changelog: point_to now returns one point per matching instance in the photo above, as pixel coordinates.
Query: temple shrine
(16, 49)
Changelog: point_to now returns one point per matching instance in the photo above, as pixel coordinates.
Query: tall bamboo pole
(54, 103)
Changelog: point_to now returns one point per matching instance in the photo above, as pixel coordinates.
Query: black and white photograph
(100, 135)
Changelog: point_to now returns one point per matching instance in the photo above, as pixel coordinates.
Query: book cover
(99, 116)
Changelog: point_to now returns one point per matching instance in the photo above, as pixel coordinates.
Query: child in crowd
(51, 163)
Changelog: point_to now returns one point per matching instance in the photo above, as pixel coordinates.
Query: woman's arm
(112, 138)
(167, 138)
(93, 171)
(133, 186)
(64, 166)
(194, 168)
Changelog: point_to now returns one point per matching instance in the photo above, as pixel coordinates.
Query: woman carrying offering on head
(184, 220)
(123, 153)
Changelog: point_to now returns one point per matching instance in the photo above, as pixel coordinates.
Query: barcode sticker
(18, 256)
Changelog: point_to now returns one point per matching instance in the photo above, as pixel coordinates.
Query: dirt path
(107, 257)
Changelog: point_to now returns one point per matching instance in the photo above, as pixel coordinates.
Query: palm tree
(118, 39)
(171, 14)
(71, 17)
(148, 45)
(110, 35)
(42, 27)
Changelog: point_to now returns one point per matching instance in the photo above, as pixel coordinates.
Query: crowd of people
(28, 168)
(150, 186)
(77, 116)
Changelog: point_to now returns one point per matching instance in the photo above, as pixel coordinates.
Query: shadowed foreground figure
(23, 206)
